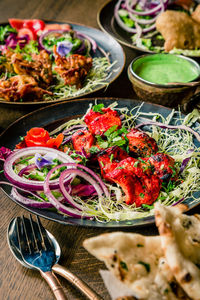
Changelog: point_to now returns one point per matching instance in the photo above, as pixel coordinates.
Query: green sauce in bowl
(166, 68)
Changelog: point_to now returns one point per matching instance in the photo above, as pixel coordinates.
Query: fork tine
(23, 241)
(34, 230)
(46, 242)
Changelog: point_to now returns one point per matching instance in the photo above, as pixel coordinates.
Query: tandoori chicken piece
(138, 190)
(99, 122)
(164, 167)
(179, 30)
(20, 86)
(109, 159)
(40, 67)
(72, 69)
(141, 144)
(82, 139)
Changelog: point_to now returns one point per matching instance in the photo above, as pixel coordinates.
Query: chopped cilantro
(141, 195)
(111, 157)
(94, 150)
(147, 266)
(136, 164)
(4, 31)
(110, 130)
(98, 108)
(147, 206)
(124, 265)
(140, 245)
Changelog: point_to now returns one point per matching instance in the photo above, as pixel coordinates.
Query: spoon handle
(54, 284)
(82, 286)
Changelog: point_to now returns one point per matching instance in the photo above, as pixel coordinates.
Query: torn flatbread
(180, 240)
(138, 262)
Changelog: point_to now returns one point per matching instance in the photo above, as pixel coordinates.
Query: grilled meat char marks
(82, 139)
(140, 177)
(163, 165)
(141, 144)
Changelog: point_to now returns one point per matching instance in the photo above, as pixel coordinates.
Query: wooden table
(17, 282)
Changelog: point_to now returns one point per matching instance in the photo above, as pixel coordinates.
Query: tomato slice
(55, 142)
(34, 25)
(16, 23)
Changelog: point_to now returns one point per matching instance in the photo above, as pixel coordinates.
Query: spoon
(189, 84)
(14, 247)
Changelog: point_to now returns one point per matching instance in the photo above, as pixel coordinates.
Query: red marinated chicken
(138, 190)
(82, 139)
(109, 159)
(99, 122)
(141, 144)
(163, 165)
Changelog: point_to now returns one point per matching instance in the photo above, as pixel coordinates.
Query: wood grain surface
(17, 282)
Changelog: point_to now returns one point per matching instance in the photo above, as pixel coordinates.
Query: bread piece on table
(180, 240)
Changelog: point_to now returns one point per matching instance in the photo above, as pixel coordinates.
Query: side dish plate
(108, 45)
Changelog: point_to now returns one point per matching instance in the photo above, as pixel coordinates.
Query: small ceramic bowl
(163, 93)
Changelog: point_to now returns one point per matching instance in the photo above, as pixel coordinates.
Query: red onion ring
(165, 126)
(24, 183)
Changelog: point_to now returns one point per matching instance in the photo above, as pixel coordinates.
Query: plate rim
(141, 222)
(28, 103)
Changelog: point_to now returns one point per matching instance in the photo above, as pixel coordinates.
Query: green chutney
(165, 68)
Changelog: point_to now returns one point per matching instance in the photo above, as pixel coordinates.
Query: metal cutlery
(38, 253)
(44, 237)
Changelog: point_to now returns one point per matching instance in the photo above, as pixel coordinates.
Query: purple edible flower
(42, 161)
(63, 48)
(4, 153)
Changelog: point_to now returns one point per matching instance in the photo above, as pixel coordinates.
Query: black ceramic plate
(54, 115)
(107, 23)
(104, 41)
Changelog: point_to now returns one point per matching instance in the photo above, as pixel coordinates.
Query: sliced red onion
(46, 33)
(165, 126)
(85, 176)
(30, 202)
(24, 200)
(83, 190)
(4, 153)
(185, 161)
(144, 21)
(92, 42)
(177, 202)
(67, 140)
(22, 182)
(59, 206)
(26, 169)
(146, 12)
(72, 128)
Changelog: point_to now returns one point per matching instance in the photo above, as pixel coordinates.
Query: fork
(37, 252)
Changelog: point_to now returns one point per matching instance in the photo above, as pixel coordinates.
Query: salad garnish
(160, 26)
(105, 167)
(43, 62)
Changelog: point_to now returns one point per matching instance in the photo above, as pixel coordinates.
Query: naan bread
(180, 240)
(137, 261)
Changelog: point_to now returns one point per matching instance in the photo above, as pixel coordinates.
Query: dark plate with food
(102, 162)
(46, 62)
(154, 26)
